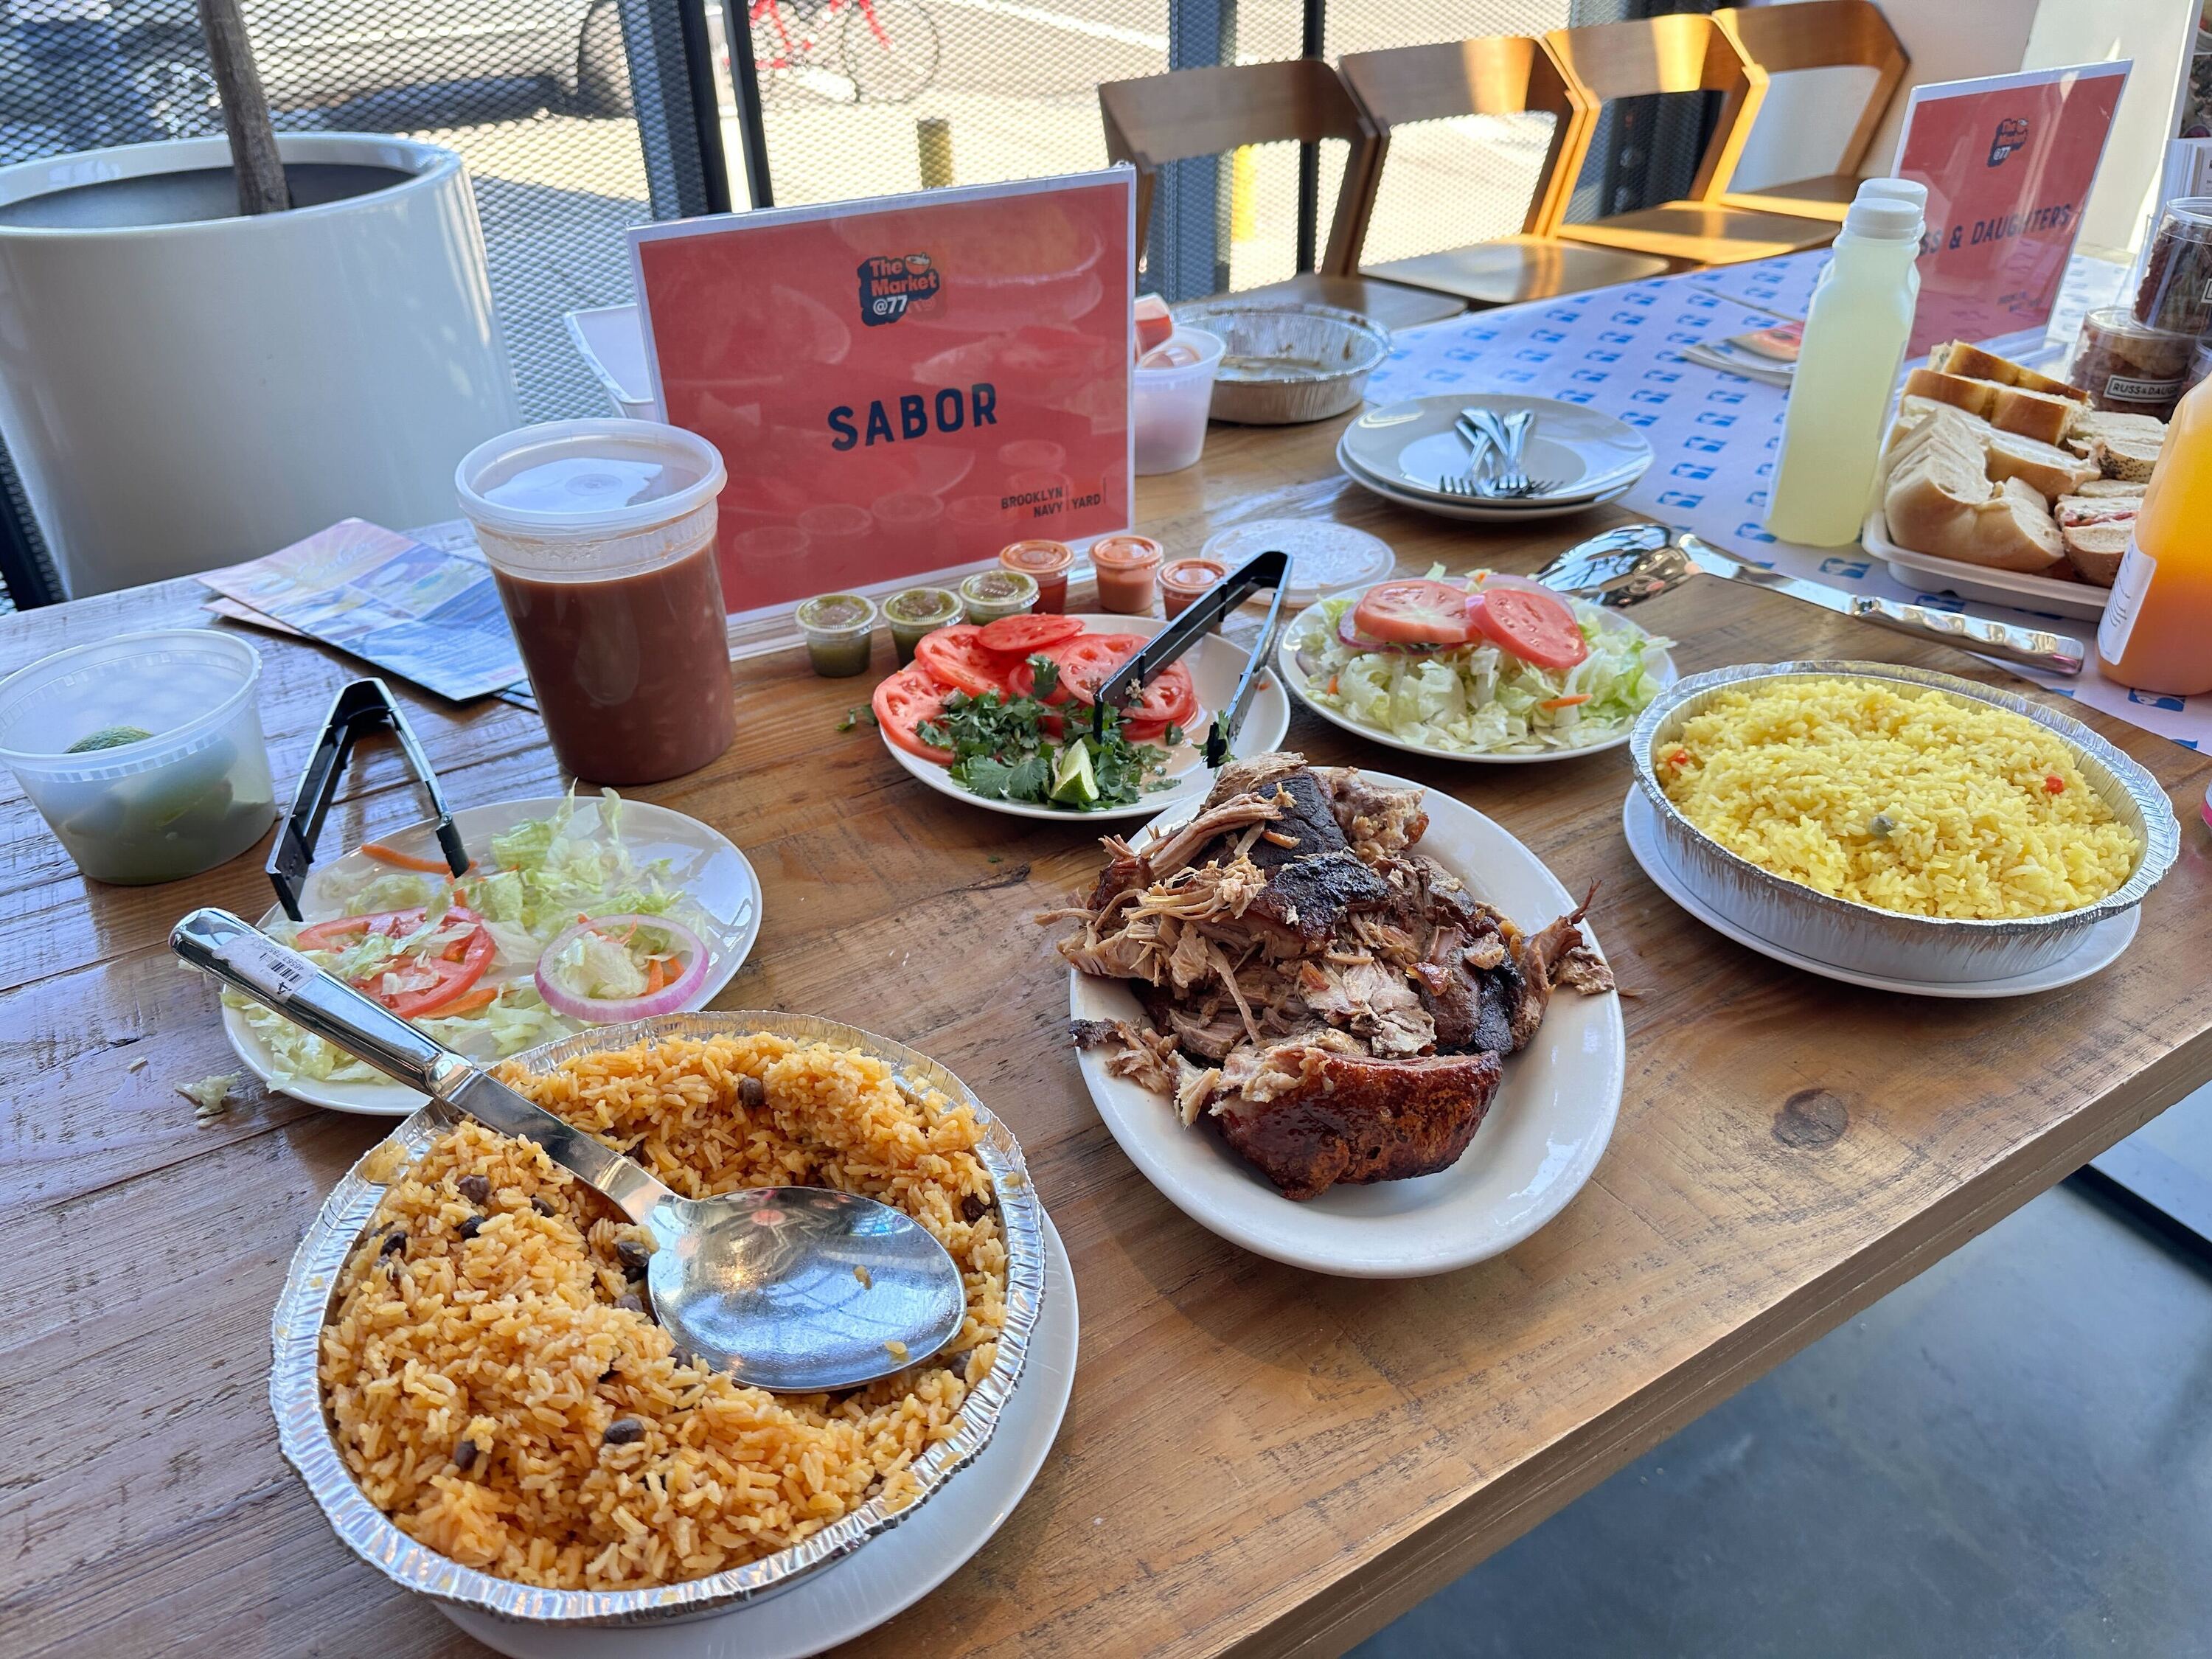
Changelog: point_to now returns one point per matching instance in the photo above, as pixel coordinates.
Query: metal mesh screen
(537, 95)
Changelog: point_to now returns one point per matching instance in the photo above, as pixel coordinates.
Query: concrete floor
(2011, 1455)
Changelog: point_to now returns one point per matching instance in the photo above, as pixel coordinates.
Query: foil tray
(1286, 363)
(304, 1428)
(1847, 934)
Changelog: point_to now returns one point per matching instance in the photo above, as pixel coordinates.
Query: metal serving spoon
(797, 1289)
(1638, 562)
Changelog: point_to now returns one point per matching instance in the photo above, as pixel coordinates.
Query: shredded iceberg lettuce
(1480, 700)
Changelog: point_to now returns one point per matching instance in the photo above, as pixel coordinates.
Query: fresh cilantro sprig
(1001, 751)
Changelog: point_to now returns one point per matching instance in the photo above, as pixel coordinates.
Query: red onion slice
(614, 1010)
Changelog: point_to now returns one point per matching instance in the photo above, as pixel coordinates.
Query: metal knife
(2035, 648)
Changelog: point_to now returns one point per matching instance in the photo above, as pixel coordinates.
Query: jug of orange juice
(2157, 631)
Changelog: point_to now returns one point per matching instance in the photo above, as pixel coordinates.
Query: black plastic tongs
(1269, 569)
(364, 707)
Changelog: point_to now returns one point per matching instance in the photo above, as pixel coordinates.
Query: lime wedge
(108, 737)
(1073, 782)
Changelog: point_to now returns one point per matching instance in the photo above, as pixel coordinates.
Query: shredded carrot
(467, 1003)
(1565, 703)
(652, 976)
(1332, 685)
(384, 855)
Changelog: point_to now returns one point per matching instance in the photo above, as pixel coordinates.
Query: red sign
(903, 386)
(2007, 162)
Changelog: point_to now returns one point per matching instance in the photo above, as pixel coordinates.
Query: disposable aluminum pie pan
(306, 1432)
(1287, 363)
(1846, 934)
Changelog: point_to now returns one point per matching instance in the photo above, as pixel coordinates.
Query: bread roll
(1938, 501)
(2095, 527)
(2048, 470)
(1957, 357)
(2035, 415)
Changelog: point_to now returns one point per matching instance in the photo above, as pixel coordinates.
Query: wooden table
(1256, 1460)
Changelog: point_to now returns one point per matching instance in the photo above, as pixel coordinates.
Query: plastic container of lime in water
(144, 753)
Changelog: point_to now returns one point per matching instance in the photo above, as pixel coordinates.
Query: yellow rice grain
(473, 1382)
(1904, 800)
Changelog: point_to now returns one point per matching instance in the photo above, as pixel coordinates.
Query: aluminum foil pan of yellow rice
(468, 1380)
(1898, 822)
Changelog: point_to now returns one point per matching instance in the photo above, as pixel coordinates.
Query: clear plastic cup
(601, 537)
(840, 631)
(1171, 405)
(175, 778)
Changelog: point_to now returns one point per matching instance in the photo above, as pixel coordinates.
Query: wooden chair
(1815, 34)
(1682, 51)
(1186, 113)
(1497, 75)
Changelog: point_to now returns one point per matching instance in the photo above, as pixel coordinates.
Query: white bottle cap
(1887, 210)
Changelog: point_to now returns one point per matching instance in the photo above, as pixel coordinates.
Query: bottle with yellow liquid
(1856, 330)
(2157, 631)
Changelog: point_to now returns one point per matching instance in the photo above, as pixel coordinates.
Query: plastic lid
(2111, 320)
(1325, 556)
(1905, 190)
(182, 686)
(1885, 216)
(579, 479)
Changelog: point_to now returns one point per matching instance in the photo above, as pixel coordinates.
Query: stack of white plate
(1404, 452)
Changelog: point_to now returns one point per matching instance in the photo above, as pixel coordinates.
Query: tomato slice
(455, 973)
(1193, 728)
(1088, 660)
(960, 661)
(905, 702)
(1025, 634)
(1413, 610)
(330, 935)
(1536, 628)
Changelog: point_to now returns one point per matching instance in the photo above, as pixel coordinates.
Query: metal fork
(1509, 483)
(1468, 485)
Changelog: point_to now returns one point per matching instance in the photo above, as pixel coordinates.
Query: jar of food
(1127, 567)
(2175, 294)
(915, 611)
(1185, 580)
(840, 629)
(990, 594)
(1046, 563)
(600, 535)
(144, 751)
(2127, 368)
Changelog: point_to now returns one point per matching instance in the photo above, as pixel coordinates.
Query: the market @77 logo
(889, 284)
(2010, 136)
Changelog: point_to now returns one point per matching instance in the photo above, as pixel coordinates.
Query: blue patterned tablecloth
(1715, 436)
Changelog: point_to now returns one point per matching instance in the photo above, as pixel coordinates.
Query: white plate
(702, 860)
(1472, 512)
(887, 1575)
(1544, 1134)
(1932, 574)
(1215, 665)
(1286, 665)
(1411, 446)
(2098, 951)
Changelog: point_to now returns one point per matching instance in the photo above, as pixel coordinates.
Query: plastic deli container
(144, 752)
(1185, 580)
(601, 537)
(1171, 407)
(1127, 567)
(1047, 564)
(914, 611)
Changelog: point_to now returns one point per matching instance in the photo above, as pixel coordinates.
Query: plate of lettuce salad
(576, 911)
(1485, 666)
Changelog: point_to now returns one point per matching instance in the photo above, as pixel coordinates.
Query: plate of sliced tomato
(458, 971)
(1578, 674)
(1084, 650)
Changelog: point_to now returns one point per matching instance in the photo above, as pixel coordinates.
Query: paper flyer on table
(426, 614)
